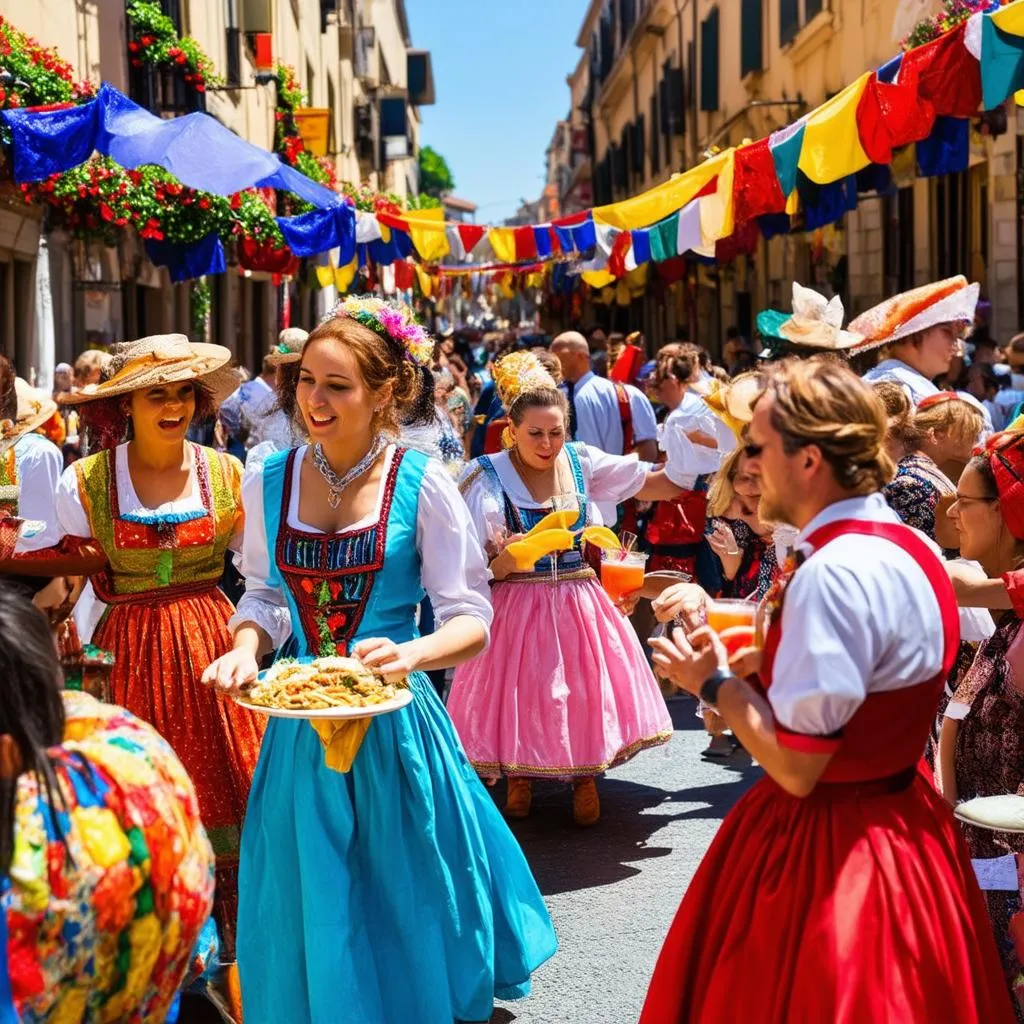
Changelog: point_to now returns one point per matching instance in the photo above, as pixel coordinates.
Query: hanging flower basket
(267, 257)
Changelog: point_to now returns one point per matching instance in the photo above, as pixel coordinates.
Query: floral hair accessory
(392, 321)
(518, 373)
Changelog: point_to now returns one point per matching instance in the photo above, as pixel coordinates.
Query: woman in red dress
(854, 898)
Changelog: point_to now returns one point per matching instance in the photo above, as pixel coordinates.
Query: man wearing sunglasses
(839, 886)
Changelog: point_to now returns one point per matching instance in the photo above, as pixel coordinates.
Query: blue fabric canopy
(197, 149)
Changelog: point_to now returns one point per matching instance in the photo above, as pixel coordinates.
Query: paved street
(613, 890)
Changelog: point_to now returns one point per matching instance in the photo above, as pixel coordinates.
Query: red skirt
(162, 648)
(846, 906)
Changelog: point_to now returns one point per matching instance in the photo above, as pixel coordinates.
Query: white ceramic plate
(403, 698)
(999, 813)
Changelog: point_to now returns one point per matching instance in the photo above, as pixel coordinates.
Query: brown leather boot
(586, 807)
(518, 798)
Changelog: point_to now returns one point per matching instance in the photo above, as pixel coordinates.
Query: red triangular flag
(470, 234)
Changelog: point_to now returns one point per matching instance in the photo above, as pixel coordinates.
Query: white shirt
(598, 422)
(74, 521)
(39, 464)
(609, 479)
(859, 617)
(919, 387)
(453, 569)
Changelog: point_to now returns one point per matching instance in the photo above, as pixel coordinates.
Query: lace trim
(494, 768)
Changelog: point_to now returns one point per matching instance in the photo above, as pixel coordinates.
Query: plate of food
(330, 688)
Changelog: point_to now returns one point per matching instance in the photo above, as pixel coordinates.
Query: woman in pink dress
(564, 691)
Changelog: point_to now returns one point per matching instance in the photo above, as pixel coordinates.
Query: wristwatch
(710, 687)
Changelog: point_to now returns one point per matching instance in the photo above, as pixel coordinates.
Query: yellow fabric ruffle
(342, 739)
(831, 149)
(663, 200)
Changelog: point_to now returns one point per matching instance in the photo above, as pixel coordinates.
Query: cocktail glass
(622, 572)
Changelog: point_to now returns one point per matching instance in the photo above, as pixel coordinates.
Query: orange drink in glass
(728, 613)
(622, 572)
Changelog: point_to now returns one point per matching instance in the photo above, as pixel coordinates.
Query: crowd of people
(169, 529)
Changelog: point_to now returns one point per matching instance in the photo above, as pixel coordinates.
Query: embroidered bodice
(150, 550)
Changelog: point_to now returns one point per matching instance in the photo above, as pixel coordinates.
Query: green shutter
(709, 61)
(752, 37)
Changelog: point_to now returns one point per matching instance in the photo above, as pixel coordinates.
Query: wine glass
(568, 501)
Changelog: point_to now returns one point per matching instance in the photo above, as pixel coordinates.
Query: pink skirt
(563, 690)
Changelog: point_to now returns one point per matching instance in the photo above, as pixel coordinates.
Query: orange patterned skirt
(162, 647)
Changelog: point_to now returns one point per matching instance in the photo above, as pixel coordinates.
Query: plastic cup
(622, 573)
(727, 613)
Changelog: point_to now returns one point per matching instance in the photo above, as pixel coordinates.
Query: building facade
(363, 83)
(660, 82)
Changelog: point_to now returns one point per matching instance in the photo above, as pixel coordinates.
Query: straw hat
(288, 349)
(158, 360)
(952, 301)
(733, 403)
(34, 409)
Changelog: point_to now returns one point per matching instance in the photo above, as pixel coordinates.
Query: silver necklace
(339, 483)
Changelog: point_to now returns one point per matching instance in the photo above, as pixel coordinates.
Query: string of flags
(914, 114)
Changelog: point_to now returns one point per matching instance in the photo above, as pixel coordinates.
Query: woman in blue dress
(393, 891)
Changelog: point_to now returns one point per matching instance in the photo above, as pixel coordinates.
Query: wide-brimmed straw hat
(34, 409)
(952, 301)
(290, 343)
(158, 360)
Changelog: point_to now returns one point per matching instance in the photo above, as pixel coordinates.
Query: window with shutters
(655, 137)
(639, 142)
(752, 37)
(627, 19)
(789, 20)
(673, 103)
(794, 14)
(709, 62)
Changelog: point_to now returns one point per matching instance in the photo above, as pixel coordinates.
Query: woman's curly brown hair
(822, 403)
(381, 362)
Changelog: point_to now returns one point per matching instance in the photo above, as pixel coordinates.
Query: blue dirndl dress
(394, 892)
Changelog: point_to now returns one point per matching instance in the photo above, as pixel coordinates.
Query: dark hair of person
(109, 423)
(8, 396)
(421, 412)
(682, 367)
(31, 708)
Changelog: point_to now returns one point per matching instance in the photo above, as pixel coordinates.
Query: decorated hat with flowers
(952, 301)
(392, 321)
(288, 349)
(519, 373)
